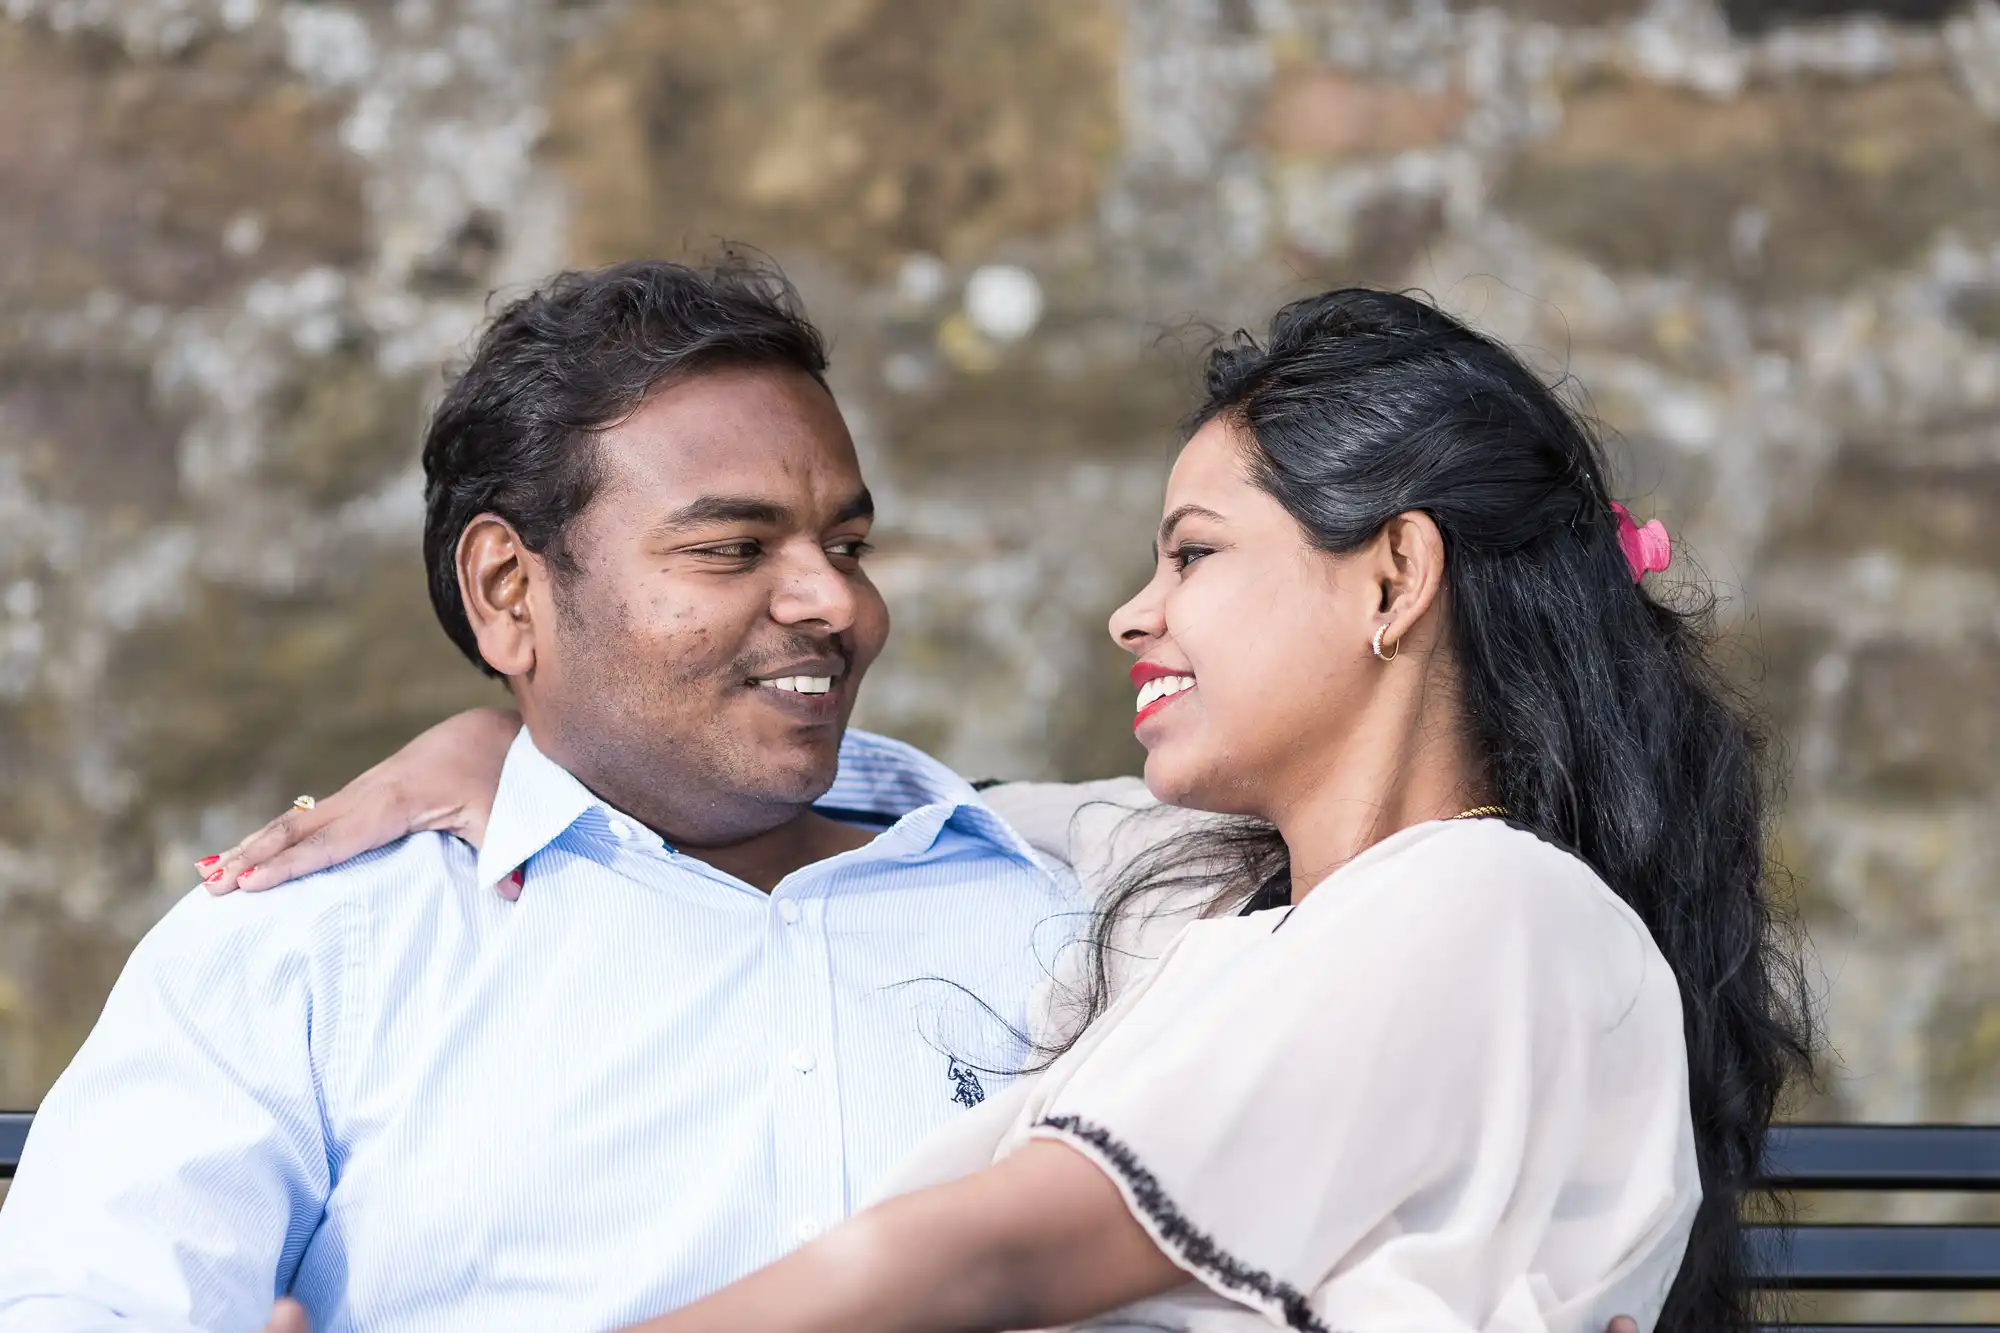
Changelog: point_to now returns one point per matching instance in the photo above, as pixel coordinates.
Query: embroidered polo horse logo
(969, 1092)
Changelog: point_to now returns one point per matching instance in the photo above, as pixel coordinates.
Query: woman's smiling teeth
(1159, 688)
(800, 684)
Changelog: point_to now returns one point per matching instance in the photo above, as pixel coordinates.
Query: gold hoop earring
(1394, 649)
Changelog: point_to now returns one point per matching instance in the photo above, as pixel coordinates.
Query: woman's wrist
(504, 722)
(489, 735)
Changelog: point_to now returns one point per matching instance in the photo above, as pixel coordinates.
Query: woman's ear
(495, 571)
(1411, 571)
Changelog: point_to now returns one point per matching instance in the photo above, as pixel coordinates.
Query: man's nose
(809, 589)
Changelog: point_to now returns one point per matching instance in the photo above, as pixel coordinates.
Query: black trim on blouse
(1196, 1248)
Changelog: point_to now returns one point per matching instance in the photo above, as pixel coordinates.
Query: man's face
(698, 663)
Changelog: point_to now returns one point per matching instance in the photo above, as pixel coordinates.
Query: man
(758, 963)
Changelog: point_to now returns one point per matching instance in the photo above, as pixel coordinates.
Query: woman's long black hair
(1593, 705)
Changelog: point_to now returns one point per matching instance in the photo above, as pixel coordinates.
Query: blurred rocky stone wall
(238, 238)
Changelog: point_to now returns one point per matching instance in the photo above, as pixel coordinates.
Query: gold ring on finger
(303, 803)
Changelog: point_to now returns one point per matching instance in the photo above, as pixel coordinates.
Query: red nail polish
(208, 861)
(520, 879)
(213, 877)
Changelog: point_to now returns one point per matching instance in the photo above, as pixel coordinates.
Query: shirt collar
(887, 777)
(538, 799)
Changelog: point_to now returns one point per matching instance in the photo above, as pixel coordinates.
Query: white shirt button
(621, 830)
(802, 1060)
(788, 911)
(808, 1230)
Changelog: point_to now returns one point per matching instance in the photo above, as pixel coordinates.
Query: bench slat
(1883, 1157)
(13, 1135)
(1876, 1258)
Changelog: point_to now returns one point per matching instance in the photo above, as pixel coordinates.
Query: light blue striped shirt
(418, 1106)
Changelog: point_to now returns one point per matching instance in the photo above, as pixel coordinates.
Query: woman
(1482, 1019)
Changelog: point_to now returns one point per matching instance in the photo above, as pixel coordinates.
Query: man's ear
(495, 573)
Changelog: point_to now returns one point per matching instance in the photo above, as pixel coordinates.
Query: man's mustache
(797, 650)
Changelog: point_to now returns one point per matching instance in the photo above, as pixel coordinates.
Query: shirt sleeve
(1395, 1065)
(177, 1169)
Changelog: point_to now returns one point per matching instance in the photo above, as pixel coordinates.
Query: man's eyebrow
(715, 509)
(861, 506)
(1172, 520)
(710, 509)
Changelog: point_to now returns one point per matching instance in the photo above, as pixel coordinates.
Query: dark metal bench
(1847, 1257)
(1838, 1257)
(13, 1135)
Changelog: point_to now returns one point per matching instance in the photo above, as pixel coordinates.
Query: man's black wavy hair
(1598, 716)
(513, 435)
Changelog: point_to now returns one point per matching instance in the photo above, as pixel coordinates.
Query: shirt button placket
(821, 1079)
(812, 1171)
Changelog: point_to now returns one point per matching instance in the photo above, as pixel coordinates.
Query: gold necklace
(1481, 811)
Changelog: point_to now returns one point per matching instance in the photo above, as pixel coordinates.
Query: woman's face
(1255, 648)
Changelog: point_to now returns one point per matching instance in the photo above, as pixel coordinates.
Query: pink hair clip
(1648, 549)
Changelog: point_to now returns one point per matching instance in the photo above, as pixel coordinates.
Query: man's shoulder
(437, 859)
(387, 881)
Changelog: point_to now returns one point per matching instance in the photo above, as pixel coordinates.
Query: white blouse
(1447, 1091)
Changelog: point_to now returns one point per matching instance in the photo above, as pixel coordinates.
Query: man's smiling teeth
(1159, 688)
(800, 684)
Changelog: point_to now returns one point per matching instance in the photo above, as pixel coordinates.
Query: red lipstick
(1145, 673)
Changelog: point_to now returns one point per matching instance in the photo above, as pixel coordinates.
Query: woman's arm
(443, 780)
(1042, 1238)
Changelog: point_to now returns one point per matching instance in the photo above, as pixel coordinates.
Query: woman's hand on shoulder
(443, 781)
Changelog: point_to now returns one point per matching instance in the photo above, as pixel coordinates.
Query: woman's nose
(1139, 621)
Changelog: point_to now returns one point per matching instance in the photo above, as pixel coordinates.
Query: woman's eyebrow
(1168, 524)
